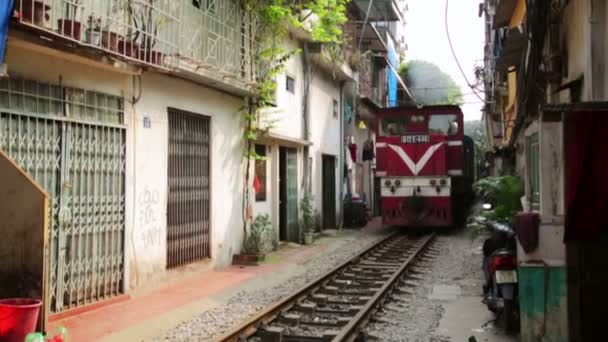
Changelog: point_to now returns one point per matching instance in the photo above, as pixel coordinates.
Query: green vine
(271, 21)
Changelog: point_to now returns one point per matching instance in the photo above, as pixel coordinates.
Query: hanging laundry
(353, 152)
(368, 150)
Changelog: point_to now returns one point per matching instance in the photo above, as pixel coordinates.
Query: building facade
(545, 80)
(129, 117)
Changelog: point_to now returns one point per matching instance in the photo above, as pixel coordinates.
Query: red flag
(256, 184)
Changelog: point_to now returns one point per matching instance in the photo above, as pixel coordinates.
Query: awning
(283, 140)
(512, 50)
(504, 12)
(380, 10)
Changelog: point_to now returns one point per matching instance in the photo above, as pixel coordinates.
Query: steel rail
(354, 328)
(250, 327)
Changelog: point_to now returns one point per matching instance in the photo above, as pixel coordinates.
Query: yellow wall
(510, 110)
(519, 14)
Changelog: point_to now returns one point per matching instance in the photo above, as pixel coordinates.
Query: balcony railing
(193, 35)
(370, 88)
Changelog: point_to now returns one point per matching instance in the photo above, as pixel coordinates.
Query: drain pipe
(306, 79)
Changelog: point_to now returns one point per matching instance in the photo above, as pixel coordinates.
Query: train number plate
(506, 277)
(415, 139)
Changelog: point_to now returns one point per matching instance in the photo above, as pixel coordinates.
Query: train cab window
(443, 124)
(393, 126)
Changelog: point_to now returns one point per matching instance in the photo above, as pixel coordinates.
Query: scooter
(500, 270)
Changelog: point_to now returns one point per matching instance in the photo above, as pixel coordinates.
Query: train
(425, 165)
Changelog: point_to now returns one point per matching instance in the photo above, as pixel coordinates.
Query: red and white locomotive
(420, 160)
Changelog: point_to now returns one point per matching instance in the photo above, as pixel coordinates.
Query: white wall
(287, 116)
(324, 130)
(158, 93)
(146, 153)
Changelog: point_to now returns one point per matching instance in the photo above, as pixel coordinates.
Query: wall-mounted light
(362, 125)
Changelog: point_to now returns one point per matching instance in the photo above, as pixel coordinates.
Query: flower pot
(247, 259)
(128, 48)
(308, 238)
(152, 57)
(93, 37)
(70, 28)
(33, 11)
(109, 40)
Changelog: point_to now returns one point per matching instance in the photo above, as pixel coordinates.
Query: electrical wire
(447, 32)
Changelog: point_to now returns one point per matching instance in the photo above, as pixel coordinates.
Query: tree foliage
(429, 84)
(476, 130)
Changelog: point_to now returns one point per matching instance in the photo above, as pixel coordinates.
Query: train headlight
(398, 183)
(433, 182)
(443, 182)
(387, 182)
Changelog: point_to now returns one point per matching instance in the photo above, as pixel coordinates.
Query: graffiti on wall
(149, 218)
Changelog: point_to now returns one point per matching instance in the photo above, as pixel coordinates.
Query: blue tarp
(6, 12)
(391, 77)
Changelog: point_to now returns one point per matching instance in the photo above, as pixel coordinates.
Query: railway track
(338, 305)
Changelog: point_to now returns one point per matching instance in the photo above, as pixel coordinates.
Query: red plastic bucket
(18, 317)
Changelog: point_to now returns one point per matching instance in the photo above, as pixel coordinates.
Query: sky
(427, 40)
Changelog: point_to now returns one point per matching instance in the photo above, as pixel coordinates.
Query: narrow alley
(319, 170)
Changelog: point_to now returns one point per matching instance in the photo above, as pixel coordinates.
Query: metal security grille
(72, 142)
(188, 223)
(291, 160)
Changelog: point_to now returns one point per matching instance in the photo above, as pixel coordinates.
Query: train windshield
(443, 124)
(393, 126)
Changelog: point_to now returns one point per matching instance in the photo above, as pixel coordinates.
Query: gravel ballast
(415, 317)
(242, 305)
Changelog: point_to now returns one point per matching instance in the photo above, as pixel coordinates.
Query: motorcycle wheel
(509, 316)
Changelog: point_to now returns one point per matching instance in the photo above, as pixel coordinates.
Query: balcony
(380, 10)
(372, 80)
(203, 40)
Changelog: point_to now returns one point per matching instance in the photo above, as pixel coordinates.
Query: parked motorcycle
(500, 270)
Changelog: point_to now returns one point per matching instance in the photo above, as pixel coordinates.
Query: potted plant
(127, 45)
(33, 11)
(110, 39)
(69, 26)
(307, 219)
(256, 243)
(92, 35)
(147, 24)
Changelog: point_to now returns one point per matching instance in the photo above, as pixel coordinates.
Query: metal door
(188, 211)
(291, 162)
(72, 142)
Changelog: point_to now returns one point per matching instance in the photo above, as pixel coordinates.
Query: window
(336, 109)
(393, 126)
(533, 169)
(259, 182)
(290, 84)
(443, 124)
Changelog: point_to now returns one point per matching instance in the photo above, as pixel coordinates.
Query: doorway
(329, 191)
(189, 198)
(288, 195)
